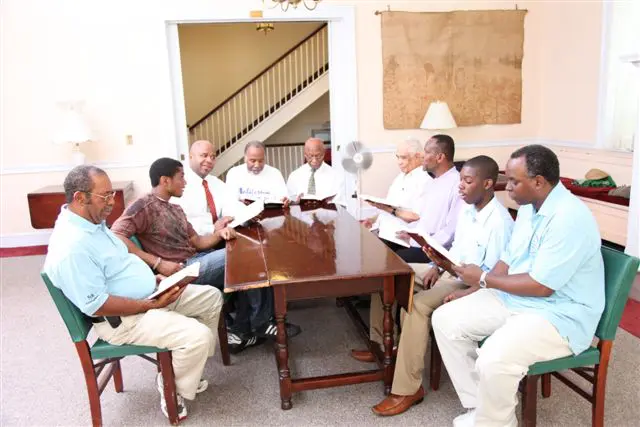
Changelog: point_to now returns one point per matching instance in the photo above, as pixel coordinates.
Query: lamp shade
(438, 116)
(71, 128)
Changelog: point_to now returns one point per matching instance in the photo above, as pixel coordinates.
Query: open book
(316, 198)
(379, 200)
(388, 227)
(181, 279)
(447, 260)
(247, 213)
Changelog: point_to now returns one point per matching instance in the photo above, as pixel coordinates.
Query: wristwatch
(483, 281)
(393, 211)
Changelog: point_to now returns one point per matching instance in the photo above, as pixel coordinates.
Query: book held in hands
(446, 261)
(180, 278)
(247, 213)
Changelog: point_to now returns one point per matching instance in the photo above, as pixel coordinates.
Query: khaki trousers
(487, 378)
(376, 312)
(414, 339)
(188, 327)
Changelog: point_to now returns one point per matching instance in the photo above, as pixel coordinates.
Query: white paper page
(245, 214)
(437, 246)
(193, 270)
(389, 226)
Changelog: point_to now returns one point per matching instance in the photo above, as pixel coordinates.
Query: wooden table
(317, 254)
(45, 203)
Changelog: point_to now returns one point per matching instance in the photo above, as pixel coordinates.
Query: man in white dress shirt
(206, 200)
(255, 180)
(210, 206)
(483, 231)
(438, 214)
(315, 177)
(407, 189)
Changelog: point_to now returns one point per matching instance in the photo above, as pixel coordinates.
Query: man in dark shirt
(170, 243)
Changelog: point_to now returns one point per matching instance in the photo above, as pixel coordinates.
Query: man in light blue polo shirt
(542, 300)
(94, 269)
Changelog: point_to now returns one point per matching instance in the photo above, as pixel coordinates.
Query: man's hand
(380, 206)
(167, 268)
(227, 233)
(367, 223)
(168, 297)
(430, 277)
(222, 223)
(459, 294)
(285, 202)
(403, 235)
(469, 273)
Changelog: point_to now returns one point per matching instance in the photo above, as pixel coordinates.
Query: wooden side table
(45, 203)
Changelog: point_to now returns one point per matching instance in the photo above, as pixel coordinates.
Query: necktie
(311, 188)
(210, 202)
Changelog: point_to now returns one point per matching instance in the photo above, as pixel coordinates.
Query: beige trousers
(376, 312)
(415, 334)
(487, 378)
(188, 327)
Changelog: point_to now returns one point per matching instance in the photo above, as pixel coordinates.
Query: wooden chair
(94, 358)
(593, 363)
(222, 327)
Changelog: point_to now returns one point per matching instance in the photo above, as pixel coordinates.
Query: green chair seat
(103, 350)
(589, 357)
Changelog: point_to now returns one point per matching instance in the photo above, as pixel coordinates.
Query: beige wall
(299, 129)
(218, 59)
(115, 58)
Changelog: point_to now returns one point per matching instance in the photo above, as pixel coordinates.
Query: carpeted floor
(42, 383)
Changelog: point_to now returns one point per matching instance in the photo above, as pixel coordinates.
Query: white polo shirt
(267, 185)
(328, 182)
(194, 201)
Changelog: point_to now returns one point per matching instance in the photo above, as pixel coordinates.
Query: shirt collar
(77, 221)
(554, 198)
(447, 173)
(317, 170)
(483, 215)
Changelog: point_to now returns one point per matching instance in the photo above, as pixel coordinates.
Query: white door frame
(342, 72)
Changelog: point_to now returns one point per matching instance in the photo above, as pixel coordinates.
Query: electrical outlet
(129, 139)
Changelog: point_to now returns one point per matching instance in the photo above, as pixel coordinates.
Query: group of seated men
(533, 290)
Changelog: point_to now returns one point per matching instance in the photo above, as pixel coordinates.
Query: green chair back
(620, 271)
(136, 241)
(77, 323)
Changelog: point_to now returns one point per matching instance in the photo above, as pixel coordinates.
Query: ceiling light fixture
(265, 27)
(284, 4)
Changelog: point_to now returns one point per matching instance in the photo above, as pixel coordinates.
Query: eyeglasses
(107, 197)
(314, 156)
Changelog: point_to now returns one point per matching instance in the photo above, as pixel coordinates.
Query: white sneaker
(468, 419)
(182, 408)
(202, 385)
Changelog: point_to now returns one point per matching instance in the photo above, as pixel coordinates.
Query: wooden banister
(203, 118)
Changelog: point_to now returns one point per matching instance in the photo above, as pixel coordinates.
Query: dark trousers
(409, 255)
(254, 308)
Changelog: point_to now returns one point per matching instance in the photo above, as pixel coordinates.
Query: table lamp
(438, 116)
(72, 128)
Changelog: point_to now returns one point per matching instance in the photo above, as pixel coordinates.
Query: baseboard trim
(24, 240)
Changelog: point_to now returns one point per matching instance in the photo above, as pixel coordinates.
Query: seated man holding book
(315, 179)
(438, 216)
(96, 272)
(541, 301)
(483, 230)
(169, 242)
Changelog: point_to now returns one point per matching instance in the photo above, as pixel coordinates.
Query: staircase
(268, 102)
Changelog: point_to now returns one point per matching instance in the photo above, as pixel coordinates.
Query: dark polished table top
(307, 246)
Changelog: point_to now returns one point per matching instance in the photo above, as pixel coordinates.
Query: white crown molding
(19, 240)
(16, 170)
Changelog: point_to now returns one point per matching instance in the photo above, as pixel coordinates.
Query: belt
(114, 321)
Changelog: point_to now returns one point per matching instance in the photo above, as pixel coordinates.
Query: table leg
(282, 352)
(388, 296)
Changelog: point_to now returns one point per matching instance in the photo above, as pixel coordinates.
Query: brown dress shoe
(394, 404)
(363, 356)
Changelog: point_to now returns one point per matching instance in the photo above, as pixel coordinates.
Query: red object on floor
(25, 251)
(630, 321)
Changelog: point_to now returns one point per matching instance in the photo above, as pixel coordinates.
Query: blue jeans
(254, 307)
(211, 267)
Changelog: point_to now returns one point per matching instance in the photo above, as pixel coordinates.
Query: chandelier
(265, 27)
(284, 4)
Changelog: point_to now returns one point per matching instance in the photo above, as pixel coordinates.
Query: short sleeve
(133, 221)
(82, 281)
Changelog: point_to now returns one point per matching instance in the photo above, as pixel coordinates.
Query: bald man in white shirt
(315, 177)
(255, 180)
